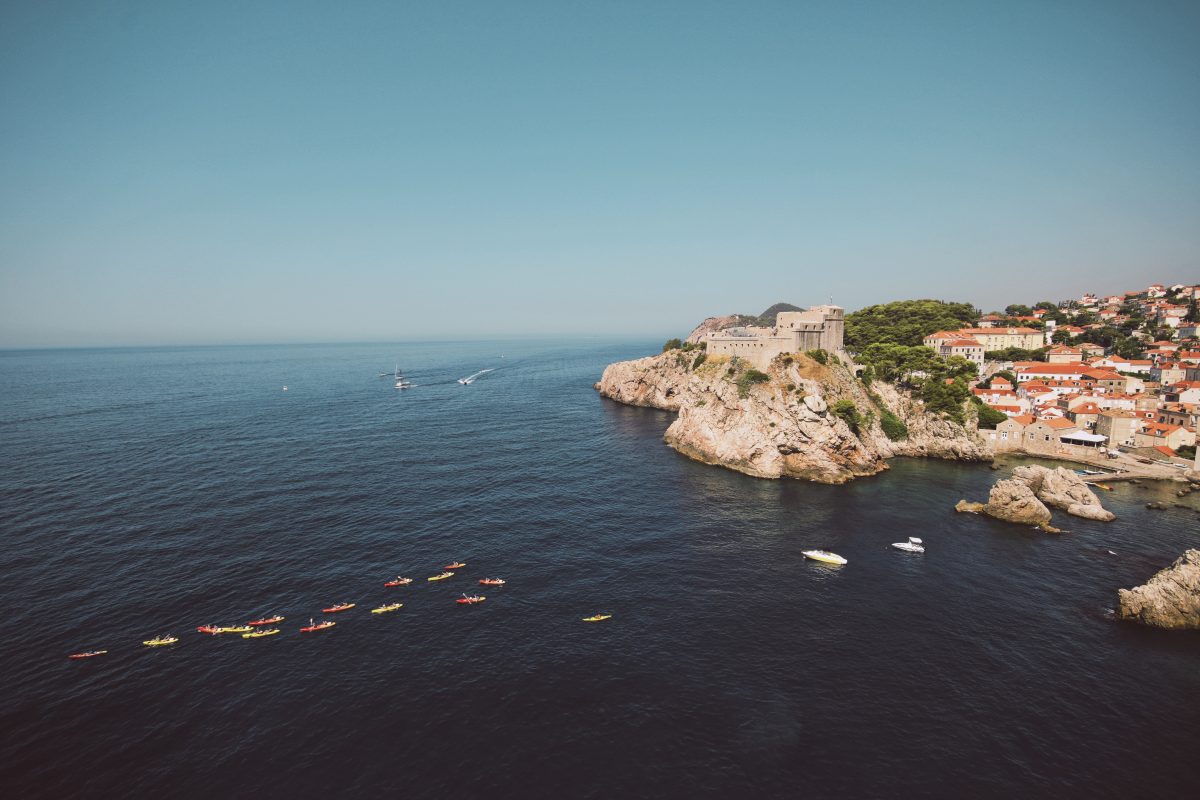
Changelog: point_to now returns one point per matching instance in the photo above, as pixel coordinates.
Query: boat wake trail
(471, 378)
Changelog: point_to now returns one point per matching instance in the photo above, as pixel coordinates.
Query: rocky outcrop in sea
(783, 424)
(1024, 498)
(1170, 599)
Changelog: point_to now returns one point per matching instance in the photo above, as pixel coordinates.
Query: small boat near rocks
(913, 545)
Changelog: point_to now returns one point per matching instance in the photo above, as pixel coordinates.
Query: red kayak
(337, 608)
(455, 565)
(266, 621)
(470, 600)
(320, 626)
(399, 582)
(211, 629)
(492, 581)
(88, 654)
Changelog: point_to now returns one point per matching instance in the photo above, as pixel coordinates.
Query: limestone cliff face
(1170, 599)
(782, 427)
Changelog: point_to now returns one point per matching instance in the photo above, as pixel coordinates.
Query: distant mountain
(767, 318)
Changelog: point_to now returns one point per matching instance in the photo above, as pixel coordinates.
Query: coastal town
(1107, 378)
(1112, 381)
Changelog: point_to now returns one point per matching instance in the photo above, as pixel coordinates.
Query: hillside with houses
(1103, 378)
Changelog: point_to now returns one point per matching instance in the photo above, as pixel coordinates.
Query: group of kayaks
(261, 628)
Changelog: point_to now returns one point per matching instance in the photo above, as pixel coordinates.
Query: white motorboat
(824, 556)
(401, 381)
(913, 545)
(467, 381)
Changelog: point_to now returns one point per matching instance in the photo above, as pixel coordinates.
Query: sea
(149, 491)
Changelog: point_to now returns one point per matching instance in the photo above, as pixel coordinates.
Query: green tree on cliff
(905, 322)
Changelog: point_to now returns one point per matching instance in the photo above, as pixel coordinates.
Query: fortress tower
(820, 327)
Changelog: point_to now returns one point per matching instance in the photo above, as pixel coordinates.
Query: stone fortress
(818, 328)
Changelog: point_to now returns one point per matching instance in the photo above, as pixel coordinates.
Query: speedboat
(387, 608)
(319, 626)
(337, 608)
(492, 581)
(88, 654)
(159, 641)
(260, 633)
(398, 581)
(455, 565)
(824, 556)
(597, 617)
(470, 601)
(441, 577)
(266, 621)
(913, 545)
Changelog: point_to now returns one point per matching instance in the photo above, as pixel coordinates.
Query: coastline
(800, 418)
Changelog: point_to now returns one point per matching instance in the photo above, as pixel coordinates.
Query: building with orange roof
(1119, 426)
(1155, 434)
(993, 338)
(1064, 354)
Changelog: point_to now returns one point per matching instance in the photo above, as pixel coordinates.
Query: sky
(186, 173)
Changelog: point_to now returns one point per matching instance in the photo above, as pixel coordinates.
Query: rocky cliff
(1170, 599)
(781, 423)
(711, 325)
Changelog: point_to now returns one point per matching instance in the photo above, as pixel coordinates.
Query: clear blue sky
(189, 172)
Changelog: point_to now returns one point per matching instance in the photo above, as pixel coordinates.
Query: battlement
(819, 328)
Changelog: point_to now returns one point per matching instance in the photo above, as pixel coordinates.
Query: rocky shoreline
(800, 419)
(1026, 496)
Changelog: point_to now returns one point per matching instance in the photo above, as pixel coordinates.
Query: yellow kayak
(235, 629)
(260, 633)
(442, 577)
(159, 641)
(389, 607)
(597, 617)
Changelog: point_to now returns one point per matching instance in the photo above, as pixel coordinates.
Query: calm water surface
(149, 491)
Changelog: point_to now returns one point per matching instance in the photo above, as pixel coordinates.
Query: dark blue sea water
(149, 491)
